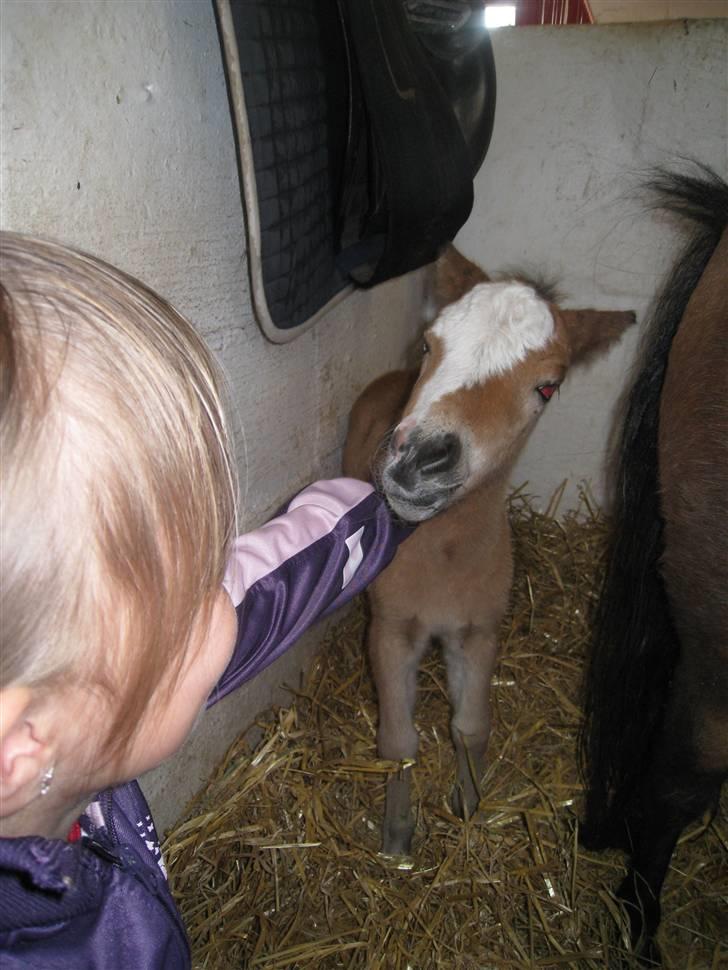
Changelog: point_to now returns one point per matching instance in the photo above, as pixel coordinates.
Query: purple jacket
(103, 902)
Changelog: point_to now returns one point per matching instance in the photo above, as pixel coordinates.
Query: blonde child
(126, 603)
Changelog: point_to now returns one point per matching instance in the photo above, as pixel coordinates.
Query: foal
(494, 356)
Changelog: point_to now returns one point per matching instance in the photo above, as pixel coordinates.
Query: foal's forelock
(485, 333)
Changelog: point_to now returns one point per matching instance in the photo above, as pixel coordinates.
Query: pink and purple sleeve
(331, 541)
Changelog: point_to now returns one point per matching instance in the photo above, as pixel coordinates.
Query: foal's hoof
(403, 863)
(464, 804)
(397, 838)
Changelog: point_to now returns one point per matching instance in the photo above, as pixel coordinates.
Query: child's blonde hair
(117, 482)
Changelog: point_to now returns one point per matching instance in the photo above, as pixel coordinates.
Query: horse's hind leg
(395, 658)
(680, 784)
(654, 837)
(470, 661)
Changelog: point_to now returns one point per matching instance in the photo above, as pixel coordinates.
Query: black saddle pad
(359, 126)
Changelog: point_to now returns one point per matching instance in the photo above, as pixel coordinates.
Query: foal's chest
(452, 573)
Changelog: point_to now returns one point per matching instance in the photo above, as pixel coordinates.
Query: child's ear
(24, 755)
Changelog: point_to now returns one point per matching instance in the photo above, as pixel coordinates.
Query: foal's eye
(425, 346)
(547, 391)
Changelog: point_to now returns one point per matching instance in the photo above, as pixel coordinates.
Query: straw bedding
(276, 862)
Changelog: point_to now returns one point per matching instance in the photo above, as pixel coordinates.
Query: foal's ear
(451, 276)
(591, 332)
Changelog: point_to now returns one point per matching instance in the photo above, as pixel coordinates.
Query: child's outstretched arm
(332, 540)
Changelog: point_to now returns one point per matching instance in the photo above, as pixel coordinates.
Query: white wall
(581, 113)
(631, 11)
(116, 137)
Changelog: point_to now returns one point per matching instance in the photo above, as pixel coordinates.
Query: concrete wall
(116, 137)
(582, 112)
(632, 11)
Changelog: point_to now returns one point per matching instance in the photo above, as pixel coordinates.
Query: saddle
(359, 127)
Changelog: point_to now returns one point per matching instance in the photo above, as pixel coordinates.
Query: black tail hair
(635, 648)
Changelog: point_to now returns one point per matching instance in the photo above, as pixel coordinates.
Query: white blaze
(486, 332)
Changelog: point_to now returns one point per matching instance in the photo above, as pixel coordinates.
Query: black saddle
(360, 125)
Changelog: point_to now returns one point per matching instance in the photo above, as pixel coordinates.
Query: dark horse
(654, 747)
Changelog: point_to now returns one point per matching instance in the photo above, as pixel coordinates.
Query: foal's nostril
(399, 441)
(438, 455)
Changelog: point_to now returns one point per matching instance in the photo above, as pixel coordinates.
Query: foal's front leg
(395, 658)
(470, 660)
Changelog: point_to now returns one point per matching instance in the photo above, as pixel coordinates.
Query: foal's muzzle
(421, 473)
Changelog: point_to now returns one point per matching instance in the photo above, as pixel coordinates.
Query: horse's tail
(635, 648)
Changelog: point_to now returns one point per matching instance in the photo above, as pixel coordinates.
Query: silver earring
(45, 782)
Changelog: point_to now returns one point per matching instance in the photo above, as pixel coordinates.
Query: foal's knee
(472, 726)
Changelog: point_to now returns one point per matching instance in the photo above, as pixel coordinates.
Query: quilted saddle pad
(355, 158)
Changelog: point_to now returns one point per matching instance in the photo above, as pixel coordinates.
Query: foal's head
(494, 356)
